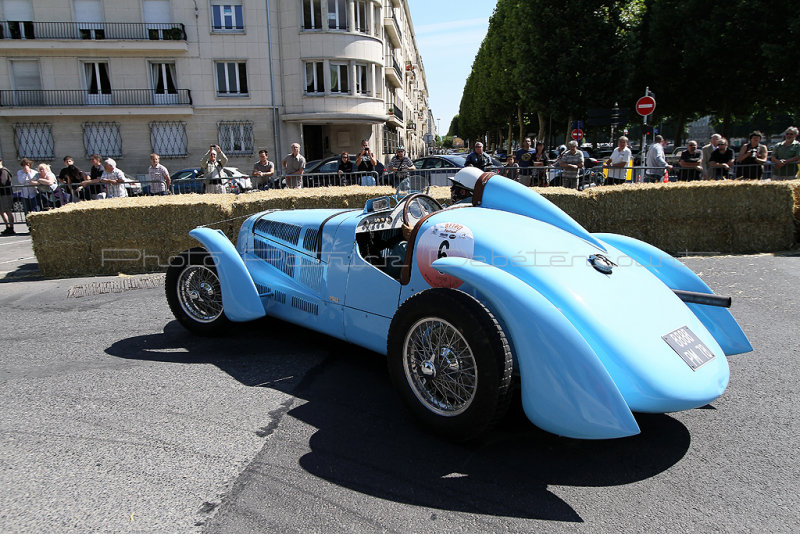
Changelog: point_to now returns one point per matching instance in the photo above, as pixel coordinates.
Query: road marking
(15, 242)
(20, 259)
(116, 286)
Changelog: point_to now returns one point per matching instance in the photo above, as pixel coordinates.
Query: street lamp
(439, 131)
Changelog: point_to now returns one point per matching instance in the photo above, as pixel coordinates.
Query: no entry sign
(645, 105)
(577, 134)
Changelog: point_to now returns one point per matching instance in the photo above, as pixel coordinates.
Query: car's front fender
(566, 389)
(240, 299)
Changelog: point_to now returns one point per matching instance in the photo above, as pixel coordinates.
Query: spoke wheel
(440, 367)
(450, 363)
(194, 292)
(200, 294)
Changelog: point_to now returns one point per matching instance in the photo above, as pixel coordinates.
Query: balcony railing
(118, 97)
(396, 111)
(397, 69)
(92, 31)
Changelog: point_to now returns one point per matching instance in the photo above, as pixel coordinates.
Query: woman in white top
(46, 184)
(114, 180)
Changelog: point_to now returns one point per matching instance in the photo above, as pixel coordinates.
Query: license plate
(691, 350)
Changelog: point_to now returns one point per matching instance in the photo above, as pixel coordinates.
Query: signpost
(577, 134)
(645, 107)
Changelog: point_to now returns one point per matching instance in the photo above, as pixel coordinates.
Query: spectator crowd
(38, 188)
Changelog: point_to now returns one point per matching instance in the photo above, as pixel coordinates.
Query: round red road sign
(645, 105)
(577, 134)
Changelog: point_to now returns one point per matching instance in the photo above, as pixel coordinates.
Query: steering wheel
(418, 206)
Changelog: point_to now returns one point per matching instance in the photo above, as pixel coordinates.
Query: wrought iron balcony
(69, 98)
(396, 111)
(92, 31)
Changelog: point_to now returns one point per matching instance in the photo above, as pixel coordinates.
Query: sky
(448, 36)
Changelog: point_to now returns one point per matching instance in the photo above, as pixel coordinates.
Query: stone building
(125, 79)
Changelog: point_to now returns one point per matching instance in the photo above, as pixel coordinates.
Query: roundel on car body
(440, 240)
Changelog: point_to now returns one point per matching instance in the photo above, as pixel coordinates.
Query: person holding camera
(365, 161)
(213, 168)
(751, 158)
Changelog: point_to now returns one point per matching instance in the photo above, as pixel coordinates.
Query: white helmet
(467, 177)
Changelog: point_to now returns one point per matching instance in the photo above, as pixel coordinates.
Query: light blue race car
(471, 301)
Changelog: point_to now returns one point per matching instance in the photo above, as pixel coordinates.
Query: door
(89, 16)
(98, 83)
(314, 147)
(27, 83)
(156, 18)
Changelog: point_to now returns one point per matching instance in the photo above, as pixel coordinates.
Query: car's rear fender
(566, 389)
(240, 298)
(675, 275)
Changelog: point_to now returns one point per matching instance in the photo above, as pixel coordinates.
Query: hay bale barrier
(137, 235)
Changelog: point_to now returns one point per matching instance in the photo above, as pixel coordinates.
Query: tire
(194, 293)
(462, 387)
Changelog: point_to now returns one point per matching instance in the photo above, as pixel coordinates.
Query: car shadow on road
(365, 441)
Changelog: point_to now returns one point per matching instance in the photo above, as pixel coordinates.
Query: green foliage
(736, 61)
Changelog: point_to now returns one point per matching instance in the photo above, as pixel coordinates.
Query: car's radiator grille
(311, 239)
(280, 259)
(290, 233)
(304, 305)
(309, 273)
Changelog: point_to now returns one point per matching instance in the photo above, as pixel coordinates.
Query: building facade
(124, 79)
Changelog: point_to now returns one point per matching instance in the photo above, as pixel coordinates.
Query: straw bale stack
(723, 217)
(121, 235)
(134, 235)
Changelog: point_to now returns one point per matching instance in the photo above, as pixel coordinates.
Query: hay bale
(134, 235)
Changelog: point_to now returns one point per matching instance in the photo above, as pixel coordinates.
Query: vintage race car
(482, 297)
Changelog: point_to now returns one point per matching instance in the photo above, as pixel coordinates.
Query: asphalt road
(116, 419)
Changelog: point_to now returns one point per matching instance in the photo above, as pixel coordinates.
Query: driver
(463, 183)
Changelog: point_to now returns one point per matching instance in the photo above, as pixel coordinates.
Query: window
(361, 16)
(390, 140)
(312, 14)
(102, 138)
(377, 21)
(236, 137)
(314, 77)
(168, 139)
(34, 141)
(27, 83)
(339, 79)
(362, 79)
(163, 82)
(226, 18)
(231, 79)
(337, 14)
(98, 83)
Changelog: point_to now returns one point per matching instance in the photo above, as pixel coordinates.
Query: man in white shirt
(619, 159)
(114, 179)
(656, 161)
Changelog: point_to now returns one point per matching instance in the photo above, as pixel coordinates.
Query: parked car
(442, 167)
(190, 180)
(133, 187)
(324, 172)
(474, 302)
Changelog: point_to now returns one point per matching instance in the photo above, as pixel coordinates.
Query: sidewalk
(17, 261)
